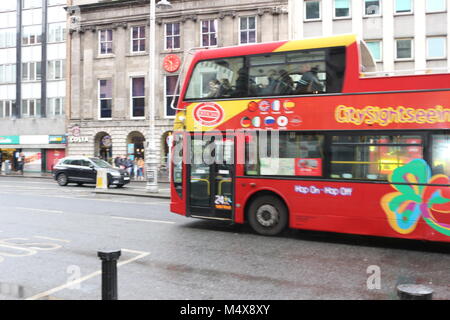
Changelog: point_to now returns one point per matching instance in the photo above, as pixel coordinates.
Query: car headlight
(115, 174)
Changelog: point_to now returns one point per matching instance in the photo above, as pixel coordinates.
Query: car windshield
(100, 163)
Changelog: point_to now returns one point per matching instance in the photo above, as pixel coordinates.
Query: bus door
(211, 176)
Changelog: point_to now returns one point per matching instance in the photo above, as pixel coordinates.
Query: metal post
(414, 292)
(109, 273)
(151, 151)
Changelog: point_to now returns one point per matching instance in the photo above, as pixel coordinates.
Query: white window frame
(26, 108)
(51, 107)
(6, 105)
(216, 22)
(248, 30)
(59, 32)
(381, 49)
(131, 96)
(167, 96)
(139, 39)
(9, 37)
(99, 103)
(172, 36)
(33, 65)
(320, 11)
(107, 41)
(404, 13)
(51, 65)
(34, 4)
(445, 48)
(8, 73)
(438, 11)
(345, 17)
(380, 10)
(396, 51)
(36, 32)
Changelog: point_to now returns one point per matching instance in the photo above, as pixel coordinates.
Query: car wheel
(62, 179)
(119, 185)
(268, 215)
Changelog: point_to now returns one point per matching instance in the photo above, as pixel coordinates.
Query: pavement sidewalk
(134, 188)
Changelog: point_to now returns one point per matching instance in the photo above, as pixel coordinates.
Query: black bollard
(414, 292)
(109, 273)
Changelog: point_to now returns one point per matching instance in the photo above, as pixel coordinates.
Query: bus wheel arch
(267, 213)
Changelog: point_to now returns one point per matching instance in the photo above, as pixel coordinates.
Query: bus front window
(221, 78)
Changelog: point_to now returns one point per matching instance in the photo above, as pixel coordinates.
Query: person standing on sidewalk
(140, 172)
(1, 161)
(21, 163)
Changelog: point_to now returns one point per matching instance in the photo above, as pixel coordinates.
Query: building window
(28, 4)
(436, 47)
(247, 30)
(105, 99)
(372, 8)
(403, 6)
(6, 108)
(56, 32)
(31, 108)
(7, 38)
(105, 41)
(435, 5)
(55, 107)
(56, 70)
(209, 33)
(312, 10)
(172, 36)
(7, 73)
(375, 49)
(341, 8)
(31, 71)
(138, 97)
(138, 39)
(32, 35)
(171, 94)
(404, 49)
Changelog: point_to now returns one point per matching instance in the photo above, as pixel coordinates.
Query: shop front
(41, 152)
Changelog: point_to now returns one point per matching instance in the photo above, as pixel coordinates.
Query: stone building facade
(108, 112)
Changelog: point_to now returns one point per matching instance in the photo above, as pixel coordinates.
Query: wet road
(49, 237)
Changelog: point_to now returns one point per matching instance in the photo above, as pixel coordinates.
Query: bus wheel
(268, 215)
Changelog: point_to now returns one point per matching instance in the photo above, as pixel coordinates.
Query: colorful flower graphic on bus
(419, 195)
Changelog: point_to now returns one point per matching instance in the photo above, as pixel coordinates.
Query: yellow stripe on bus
(336, 41)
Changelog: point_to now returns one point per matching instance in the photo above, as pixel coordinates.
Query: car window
(100, 163)
(75, 162)
(85, 163)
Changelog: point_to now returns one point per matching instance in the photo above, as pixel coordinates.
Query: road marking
(141, 254)
(39, 210)
(53, 239)
(144, 220)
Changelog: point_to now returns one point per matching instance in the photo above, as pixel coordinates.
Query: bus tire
(268, 215)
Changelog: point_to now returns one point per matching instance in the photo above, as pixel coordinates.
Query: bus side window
(441, 154)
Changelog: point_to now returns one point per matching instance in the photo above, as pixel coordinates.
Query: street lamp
(151, 158)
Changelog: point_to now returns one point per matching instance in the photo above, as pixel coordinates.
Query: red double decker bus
(303, 134)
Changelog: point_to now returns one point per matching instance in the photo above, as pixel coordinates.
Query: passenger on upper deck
(309, 83)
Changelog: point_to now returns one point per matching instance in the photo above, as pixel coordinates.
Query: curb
(133, 194)
(19, 176)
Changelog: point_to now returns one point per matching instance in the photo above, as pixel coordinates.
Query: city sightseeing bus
(354, 153)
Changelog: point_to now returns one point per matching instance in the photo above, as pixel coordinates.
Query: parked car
(82, 170)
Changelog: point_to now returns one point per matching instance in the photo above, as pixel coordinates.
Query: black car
(82, 170)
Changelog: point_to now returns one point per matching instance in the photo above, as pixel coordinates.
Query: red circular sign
(171, 63)
(208, 114)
